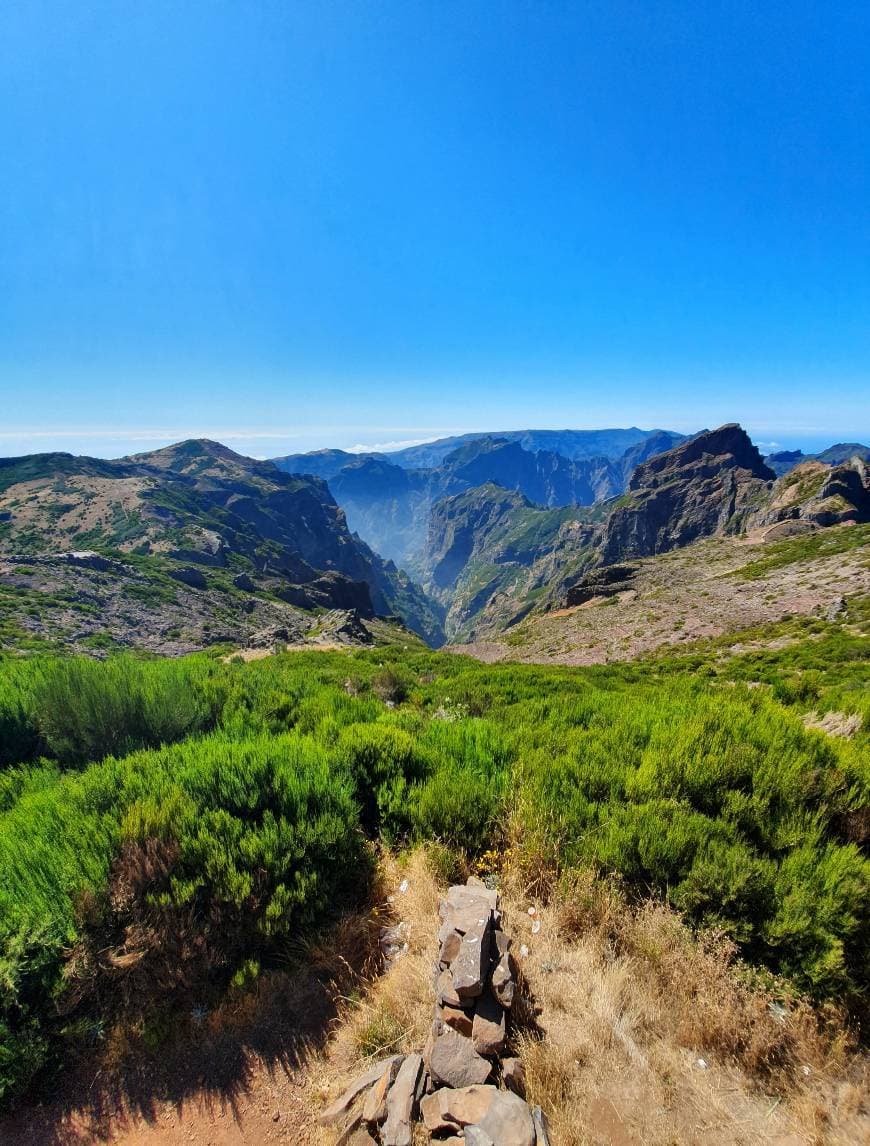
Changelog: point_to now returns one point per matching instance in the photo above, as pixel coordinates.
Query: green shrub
(233, 845)
(219, 845)
(86, 710)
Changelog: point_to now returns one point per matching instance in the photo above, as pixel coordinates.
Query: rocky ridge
(203, 516)
(388, 498)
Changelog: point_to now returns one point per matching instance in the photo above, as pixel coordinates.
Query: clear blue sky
(292, 224)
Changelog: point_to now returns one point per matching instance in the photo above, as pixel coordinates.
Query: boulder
(244, 582)
(508, 1121)
(447, 1108)
(401, 1101)
(454, 1061)
(488, 1028)
(188, 575)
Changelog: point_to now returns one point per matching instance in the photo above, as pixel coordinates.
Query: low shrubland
(165, 826)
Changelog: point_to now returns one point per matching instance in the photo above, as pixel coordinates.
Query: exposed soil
(680, 597)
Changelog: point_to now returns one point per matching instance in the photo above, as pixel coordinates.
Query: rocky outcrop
(607, 581)
(708, 484)
(448, 1087)
(816, 494)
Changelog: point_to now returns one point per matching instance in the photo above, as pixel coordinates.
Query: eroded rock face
(706, 485)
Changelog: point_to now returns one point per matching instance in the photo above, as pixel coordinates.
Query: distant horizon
(113, 444)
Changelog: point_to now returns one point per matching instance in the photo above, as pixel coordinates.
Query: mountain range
(388, 498)
(194, 544)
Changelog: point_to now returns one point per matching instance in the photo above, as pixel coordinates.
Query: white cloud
(388, 447)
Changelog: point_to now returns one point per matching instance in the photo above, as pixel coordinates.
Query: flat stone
(542, 1127)
(508, 1121)
(474, 1136)
(461, 896)
(488, 1028)
(462, 919)
(514, 1074)
(454, 1061)
(471, 965)
(458, 1019)
(448, 1108)
(375, 1105)
(336, 1109)
(446, 992)
(401, 1100)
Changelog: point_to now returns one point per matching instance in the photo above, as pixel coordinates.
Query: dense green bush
(259, 839)
(671, 773)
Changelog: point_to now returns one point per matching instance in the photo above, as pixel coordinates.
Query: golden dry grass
(632, 1031)
(649, 1035)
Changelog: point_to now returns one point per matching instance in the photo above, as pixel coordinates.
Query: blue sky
(290, 225)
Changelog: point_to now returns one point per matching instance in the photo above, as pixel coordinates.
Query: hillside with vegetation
(181, 548)
(168, 827)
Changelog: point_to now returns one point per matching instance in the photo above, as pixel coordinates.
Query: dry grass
(649, 1035)
(392, 1012)
(631, 1030)
(845, 724)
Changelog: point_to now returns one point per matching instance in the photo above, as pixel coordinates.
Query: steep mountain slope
(388, 503)
(199, 503)
(706, 485)
(491, 554)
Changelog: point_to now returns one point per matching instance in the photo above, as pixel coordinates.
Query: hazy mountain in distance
(388, 502)
(572, 444)
(785, 460)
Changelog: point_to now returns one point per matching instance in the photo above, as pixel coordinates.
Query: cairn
(452, 1087)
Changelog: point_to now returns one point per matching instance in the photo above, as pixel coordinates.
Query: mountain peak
(727, 447)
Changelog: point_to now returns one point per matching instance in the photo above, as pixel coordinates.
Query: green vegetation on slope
(239, 816)
(824, 543)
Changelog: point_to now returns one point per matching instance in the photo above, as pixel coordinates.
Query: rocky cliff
(709, 484)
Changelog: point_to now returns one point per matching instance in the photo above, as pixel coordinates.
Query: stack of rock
(448, 1085)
